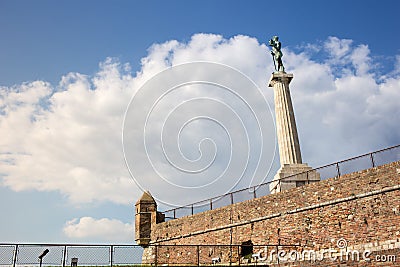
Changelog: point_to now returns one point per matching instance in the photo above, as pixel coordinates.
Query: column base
(304, 175)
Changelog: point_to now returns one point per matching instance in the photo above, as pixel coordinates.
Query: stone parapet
(362, 207)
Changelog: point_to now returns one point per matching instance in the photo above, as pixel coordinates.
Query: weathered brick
(361, 207)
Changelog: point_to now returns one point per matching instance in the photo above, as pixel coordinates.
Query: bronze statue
(277, 53)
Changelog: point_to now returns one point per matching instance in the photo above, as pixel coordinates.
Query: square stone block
(293, 175)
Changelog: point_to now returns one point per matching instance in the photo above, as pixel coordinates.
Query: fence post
(15, 255)
(111, 255)
(372, 160)
(231, 198)
(338, 169)
(64, 256)
(198, 255)
(211, 204)
(192, 210)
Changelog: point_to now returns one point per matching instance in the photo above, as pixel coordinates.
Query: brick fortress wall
(362, 207)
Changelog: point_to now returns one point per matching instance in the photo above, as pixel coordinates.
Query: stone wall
(363, 208)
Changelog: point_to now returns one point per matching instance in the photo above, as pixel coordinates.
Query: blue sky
(70, 67)
(46, 39)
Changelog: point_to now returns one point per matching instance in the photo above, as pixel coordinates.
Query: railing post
(64, 256)
(231, 198)
(15, 255)
(192, 209)
(111, 255)
(372, 160)
(174, 213)
(338, 169)
(254, 192)
(211, 207)
(198, 255)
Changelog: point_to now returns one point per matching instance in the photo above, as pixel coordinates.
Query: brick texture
(362, 207)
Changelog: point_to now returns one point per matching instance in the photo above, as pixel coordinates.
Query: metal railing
(337, 169)
(64, 255)
(74, 255)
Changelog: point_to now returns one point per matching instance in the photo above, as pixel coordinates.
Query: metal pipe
(15, 255)
(111, 255)
(64, 256)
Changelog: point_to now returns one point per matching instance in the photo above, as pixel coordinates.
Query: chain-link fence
(13, 255)
(69, 255)
(337, 169)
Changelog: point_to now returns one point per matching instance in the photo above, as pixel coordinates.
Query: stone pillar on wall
(288, 140)
(146, 216)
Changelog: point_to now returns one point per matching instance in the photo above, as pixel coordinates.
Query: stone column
(288, 140)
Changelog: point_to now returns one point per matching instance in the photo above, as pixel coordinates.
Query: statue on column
(277, 53)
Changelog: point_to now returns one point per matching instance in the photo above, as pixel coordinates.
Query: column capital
(280, 77)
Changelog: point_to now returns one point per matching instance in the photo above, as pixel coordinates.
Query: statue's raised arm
(277, 53)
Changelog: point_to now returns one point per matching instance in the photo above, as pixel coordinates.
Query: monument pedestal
(288, 140)
(293, 175)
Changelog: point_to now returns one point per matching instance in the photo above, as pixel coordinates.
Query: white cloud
(99, 230)
(348, 102)
(396, 70)
(68, 138)
(361, 60)
(337, 48)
